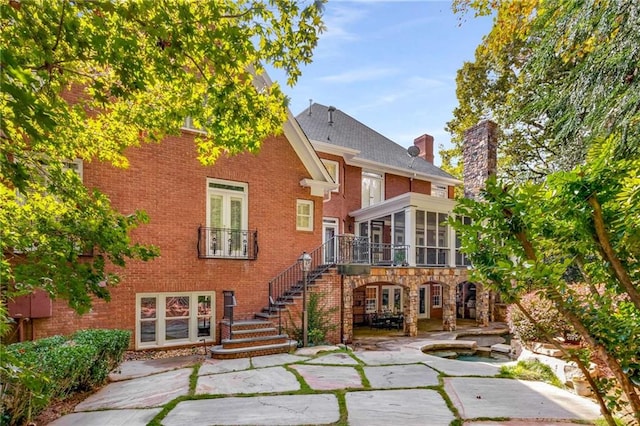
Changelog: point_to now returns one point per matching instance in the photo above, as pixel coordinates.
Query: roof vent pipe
(331, 109)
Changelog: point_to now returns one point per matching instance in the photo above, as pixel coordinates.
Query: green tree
(573, 238)
(556, 76)
(142, 67)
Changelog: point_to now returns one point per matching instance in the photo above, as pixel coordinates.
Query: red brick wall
(168, 182)
(397, 185)
(349, 196)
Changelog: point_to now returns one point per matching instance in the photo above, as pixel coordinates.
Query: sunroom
(410, 230)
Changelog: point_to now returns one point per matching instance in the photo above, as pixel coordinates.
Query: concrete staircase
(252, 338)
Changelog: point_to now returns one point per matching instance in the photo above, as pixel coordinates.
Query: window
(227, 218)
(432, 238)
(166, 319)
(461, 258)
(436, 296)
(304, 215)
(75, 166)
(372, 185)
(439, 191)
(333, 167)
(371, 300)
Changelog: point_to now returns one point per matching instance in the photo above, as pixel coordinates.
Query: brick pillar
(479, 155)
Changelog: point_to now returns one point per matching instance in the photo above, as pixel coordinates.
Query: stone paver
(216, 366)
(261, 380)
(409, 356)
(130, 417)
(454, 367)
(335, 359)
(261, 410)
(132, 369)
(401, 376)
(143, 392)
(398, 375)
(397, 407)
(491, 398)
(278, 359)
(321, 377)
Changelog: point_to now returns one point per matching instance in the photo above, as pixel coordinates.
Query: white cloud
(359, 75)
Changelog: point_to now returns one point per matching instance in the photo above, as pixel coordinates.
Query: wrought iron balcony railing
(225, 243)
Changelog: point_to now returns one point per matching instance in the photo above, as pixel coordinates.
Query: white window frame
(335, 175)
(441, 246)
(226, 193)
(76, 166)
(160, 319)
(440, 191)
(371, 304)
(309, 217)
(461, 258)
(189, 126)
(436, 295)
(368, 199)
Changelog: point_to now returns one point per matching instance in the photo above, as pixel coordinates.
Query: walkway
(325, 385)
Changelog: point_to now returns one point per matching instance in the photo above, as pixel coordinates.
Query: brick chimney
(425, 143)
(479, 154)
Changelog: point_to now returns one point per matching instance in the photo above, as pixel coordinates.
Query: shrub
(110, 346)
(34, 373)
(318, 321)
(548, 319)
(530, 370)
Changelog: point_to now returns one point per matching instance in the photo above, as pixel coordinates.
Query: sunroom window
(432, 238)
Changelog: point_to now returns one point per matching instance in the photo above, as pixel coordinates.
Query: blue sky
(390, 64)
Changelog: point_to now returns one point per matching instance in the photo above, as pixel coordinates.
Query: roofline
(403, 201)
(300, 143)
(406, 172)
(329, 148)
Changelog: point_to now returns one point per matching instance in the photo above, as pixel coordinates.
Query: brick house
(393, 201)
(368, 211)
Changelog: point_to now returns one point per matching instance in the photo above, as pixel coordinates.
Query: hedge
(34, 373)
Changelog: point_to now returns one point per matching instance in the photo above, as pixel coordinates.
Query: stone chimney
(479, 154)
(425, 143)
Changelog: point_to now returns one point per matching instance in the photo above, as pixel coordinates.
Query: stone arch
(473, 302)
(410, 280)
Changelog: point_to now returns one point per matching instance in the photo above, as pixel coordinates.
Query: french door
(226, 218)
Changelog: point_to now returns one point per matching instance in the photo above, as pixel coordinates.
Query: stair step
(218, 352)
(248, 324)
(254, 341)
(249, 332)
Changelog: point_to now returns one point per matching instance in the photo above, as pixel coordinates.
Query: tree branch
(602, 238)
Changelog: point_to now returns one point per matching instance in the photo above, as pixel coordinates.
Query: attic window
(439, 190)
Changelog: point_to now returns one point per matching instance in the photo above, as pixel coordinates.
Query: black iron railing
(289, 283)
(341, 249)
(227, 243)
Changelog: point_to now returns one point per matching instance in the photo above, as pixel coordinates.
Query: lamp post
(305, 265)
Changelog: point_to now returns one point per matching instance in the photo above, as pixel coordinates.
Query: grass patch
(530, 370)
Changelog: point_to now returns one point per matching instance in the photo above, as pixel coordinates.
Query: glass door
(423, 302)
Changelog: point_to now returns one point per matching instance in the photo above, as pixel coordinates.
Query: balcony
(226, 243)
(360, 250)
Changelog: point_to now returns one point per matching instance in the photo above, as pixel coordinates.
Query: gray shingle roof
(348, 132)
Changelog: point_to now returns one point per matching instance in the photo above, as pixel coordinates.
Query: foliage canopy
(140, 68)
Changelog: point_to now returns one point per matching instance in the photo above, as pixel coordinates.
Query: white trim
(318, 187)
(439, 295)
(399, 171)
(334, 164)
(160, 319)
(402, 201)
(328, 148)
(300, 203)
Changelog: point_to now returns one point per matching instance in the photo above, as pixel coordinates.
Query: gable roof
(320, 181)
(364, 146)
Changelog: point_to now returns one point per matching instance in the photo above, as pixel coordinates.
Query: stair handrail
(322, 258)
